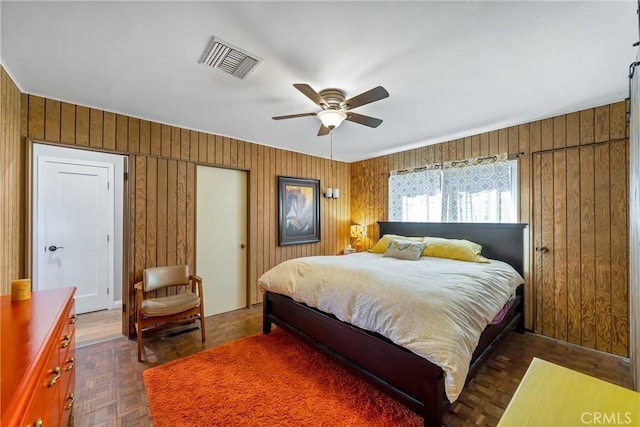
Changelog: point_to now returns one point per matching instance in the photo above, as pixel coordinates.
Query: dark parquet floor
(110, 390)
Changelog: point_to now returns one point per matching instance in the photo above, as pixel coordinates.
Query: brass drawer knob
(38, 423)
(69, 403)
(56, 376)
(73, 319)
(70, 362)
(64, 343)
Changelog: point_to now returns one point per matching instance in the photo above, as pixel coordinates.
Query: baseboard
(577, 346)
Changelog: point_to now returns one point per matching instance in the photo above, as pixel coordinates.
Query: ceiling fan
(335, 109)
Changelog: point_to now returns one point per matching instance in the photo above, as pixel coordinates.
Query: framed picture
(298, 210)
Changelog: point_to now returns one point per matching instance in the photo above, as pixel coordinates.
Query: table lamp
(358, 231)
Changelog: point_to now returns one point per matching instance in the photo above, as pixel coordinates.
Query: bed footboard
(410, 379)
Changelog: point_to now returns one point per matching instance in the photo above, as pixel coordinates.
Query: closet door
(580, 244)
(634, 219)
(221, 238)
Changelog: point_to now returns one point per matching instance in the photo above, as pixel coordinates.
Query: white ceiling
(452, 69)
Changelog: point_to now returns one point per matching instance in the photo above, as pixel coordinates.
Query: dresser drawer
(70, 325)
(67, 353)
(34, 415)
(69, 399)
(68, 365)
(50, 385)
(37, 373)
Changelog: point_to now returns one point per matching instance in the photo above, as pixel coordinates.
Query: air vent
(230, 59)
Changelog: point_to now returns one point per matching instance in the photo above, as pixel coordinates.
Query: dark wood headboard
(504, 242)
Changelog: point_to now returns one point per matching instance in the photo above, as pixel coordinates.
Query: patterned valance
(459, 163)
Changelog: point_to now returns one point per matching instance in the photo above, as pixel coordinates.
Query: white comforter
(435, 307)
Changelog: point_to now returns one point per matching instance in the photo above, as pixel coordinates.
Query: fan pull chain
(331, 153)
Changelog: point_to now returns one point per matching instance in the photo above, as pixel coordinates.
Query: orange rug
(266, 380)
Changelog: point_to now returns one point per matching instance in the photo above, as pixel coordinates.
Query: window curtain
(478, 192)
(472, 190)
(415, 196)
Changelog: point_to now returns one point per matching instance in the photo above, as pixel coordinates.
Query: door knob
(542, 249)
(54, 248)
(242, 246)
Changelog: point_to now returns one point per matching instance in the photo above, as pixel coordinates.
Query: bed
(413, 380)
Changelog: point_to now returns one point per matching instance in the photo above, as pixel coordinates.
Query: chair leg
(139, 337)
(202, 322)
(139, 326)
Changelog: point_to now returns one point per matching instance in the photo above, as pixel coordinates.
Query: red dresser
(37, 359)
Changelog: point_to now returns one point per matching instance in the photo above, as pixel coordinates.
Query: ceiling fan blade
(372, 122)
(323, 130)
(310, 93)
(367, 97)
(293, 116)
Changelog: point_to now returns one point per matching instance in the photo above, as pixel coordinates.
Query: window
(455, 192)
(416, 196)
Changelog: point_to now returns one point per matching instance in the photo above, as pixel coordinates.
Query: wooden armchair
(154, 312)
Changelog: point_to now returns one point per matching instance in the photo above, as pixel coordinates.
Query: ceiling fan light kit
(331, 118)
(335, 109)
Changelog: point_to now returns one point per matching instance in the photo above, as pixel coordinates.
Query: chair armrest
(139, 287)
(198, 280)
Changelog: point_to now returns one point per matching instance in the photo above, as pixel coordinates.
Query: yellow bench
(551, 395)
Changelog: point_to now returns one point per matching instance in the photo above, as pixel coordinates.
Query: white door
(74, 223)
(221, 236)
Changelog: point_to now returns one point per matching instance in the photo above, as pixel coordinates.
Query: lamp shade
(358, 231)
(331, 118)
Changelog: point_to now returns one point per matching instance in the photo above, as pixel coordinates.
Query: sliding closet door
(579, 223)
(221, 238)
(634, 221)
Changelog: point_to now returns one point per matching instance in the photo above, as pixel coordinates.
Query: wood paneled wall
(593, 126)
(162, 159)
(11, 218)
(162, 183)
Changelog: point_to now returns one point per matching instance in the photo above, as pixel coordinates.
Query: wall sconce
(358, 231)
(332, 193)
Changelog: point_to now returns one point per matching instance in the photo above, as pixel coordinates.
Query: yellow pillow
(462, 250)
(381, 245)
